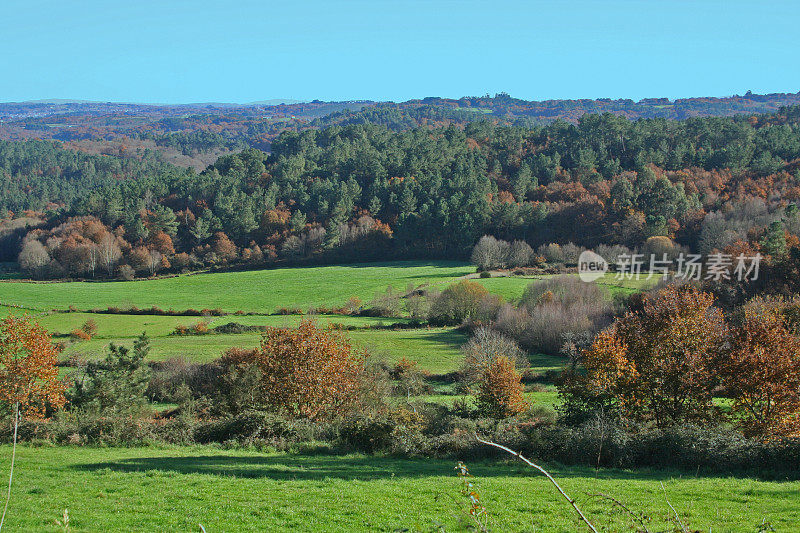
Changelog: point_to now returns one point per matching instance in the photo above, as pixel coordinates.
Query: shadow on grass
(371, 468)
(283, 467)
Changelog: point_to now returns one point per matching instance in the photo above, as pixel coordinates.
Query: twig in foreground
(543, 471)
(13, 457)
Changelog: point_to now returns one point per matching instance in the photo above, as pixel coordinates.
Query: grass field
(263, 291)
(178, 488)
(437, 350)
(253, 291)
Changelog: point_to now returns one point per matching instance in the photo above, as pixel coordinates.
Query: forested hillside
(378, 191)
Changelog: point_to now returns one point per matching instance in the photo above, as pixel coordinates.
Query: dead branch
(543, 471)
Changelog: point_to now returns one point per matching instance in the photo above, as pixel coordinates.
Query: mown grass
(512, 287)
(253, 291)
(436, 350)
(178, 488)
(264, 291)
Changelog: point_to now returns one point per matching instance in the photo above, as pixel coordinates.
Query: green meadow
(261, 291)
(179, 488)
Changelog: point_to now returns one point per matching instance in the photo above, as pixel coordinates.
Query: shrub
(79, 335)
(552, 311)
(483, 349)
(457, 302)
(418, 306)
(90, 327)
(237, 328)
(485, 274)
(126, 272)
(253, 426)
(564, 290)
(500, 391)
(385, 304)
(167, 376)
(305, 372)
(200, 328)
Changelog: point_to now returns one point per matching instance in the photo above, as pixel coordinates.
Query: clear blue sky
(241, 51)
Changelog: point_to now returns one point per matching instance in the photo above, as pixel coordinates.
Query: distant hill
(201, 128)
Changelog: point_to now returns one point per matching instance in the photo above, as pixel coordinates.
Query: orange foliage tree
(762, 371)
(307, 372)
(500, 390)
(28, 372)
(658, 361)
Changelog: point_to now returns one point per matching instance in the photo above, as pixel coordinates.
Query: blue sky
(242, 51)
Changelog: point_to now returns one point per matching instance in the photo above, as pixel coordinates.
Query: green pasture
(179, 488)
(254, 291)
(265, 291)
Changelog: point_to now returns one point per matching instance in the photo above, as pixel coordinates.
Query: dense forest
(370, 189)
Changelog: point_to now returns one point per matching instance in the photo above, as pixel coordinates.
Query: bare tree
(109, 253)
(490, 253)
(34, 257)
(92, 257)
(154, 262)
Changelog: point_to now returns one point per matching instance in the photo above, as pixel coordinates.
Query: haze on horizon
(208, 51)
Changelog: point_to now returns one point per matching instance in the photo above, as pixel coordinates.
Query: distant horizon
(290, 101)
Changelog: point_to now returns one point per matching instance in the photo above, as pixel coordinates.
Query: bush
(252, 426)
(485, 274)
(483, 349)
(127, 273)
(552, 311)
(79, 335)
(457, 303)
(90, 327)
(385, 304)
(500, 391)
(305, 372)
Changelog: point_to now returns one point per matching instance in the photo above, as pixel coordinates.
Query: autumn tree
(28, 372)
(306, 372)
(162, 243)
(500, 390)
(762, 370)
(223, 247)
(484, 348)
(658, 361)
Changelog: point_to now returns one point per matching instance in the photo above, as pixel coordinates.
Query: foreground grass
(177, 488)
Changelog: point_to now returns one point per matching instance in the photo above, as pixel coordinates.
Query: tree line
(330, 194)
